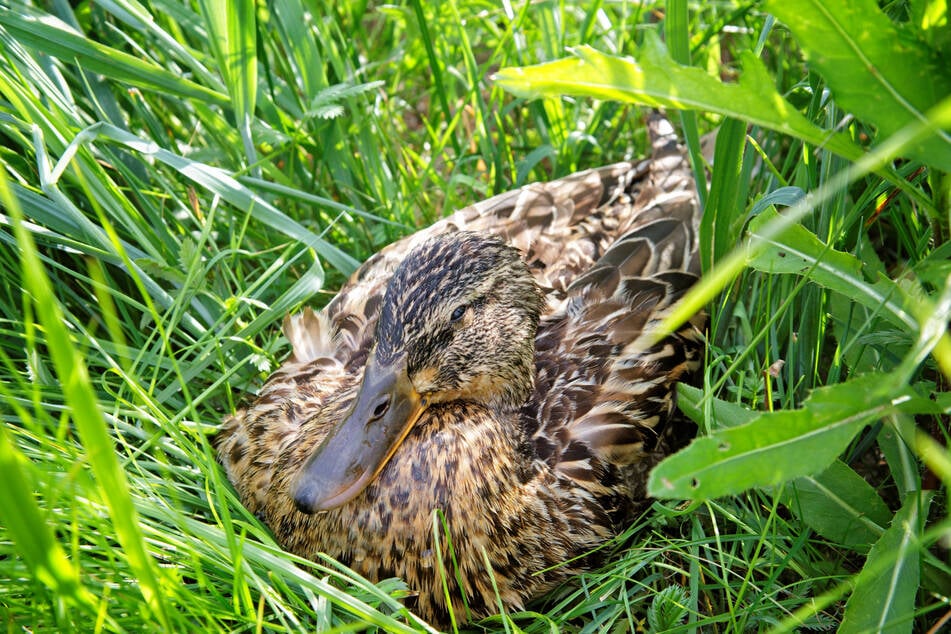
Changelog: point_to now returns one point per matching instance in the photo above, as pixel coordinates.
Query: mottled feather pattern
(611, 250)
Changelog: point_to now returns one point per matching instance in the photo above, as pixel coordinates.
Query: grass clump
(177, 177)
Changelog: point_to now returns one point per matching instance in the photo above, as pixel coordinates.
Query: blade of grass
(30, 530)
(719, 226)
(233, 29)
(217, 181)
(77, 389)
(52, 37)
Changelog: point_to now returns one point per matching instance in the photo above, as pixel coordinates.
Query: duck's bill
(354, 453)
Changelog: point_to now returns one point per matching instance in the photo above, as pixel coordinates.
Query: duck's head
(457, 323)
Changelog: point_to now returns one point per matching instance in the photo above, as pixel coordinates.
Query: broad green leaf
(721, 414)
(79, 394)
(876, 68)
(799, 251)
(839, 505)
(654, 79)
(884, 600)
(778, 446)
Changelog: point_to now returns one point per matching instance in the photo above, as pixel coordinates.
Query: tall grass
(178, 176)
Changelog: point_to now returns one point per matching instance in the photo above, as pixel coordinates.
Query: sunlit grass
(182, 191)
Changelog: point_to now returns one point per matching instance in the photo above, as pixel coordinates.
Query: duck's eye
(458, 313)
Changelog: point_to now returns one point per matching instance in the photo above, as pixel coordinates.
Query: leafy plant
(667, 609)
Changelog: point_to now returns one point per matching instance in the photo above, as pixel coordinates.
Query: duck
(496, 371)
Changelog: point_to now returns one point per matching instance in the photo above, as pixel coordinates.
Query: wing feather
(603, 397)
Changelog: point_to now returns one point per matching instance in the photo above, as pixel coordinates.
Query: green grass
(178, 176)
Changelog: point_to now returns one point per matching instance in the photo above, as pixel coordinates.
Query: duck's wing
(604, 392)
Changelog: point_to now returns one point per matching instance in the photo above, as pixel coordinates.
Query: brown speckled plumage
(519, 323)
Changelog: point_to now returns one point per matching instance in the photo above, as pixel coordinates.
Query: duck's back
(562, 227)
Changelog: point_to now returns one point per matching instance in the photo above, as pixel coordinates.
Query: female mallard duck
(496, 367)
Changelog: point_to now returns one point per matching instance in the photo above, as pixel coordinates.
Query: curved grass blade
(219, 182)
(50, 36)
(133, 16)
(294, 571)
(303, 289)
(692, 402)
